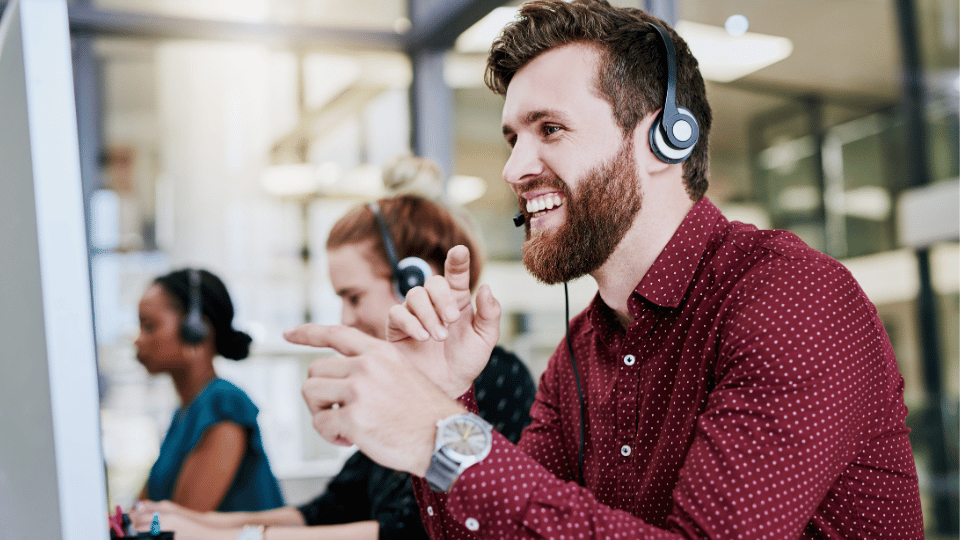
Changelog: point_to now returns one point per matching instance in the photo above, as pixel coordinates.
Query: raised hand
(372, 397)
(441, 312)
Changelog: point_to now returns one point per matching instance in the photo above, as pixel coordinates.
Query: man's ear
(647, 161)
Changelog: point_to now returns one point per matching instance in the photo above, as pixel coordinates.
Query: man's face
(572, 169)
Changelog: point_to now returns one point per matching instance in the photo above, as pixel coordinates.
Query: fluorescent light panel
(722, 57)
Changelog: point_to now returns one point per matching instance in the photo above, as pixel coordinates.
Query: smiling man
(726, 382)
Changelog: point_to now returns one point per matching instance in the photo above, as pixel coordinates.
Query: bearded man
(725, 382)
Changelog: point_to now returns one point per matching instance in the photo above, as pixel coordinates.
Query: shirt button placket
(628, 387)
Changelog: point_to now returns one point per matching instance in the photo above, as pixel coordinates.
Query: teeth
(543, 202)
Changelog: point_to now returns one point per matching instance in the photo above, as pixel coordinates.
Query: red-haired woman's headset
(407, 273)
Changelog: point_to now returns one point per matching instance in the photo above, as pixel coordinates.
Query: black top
(364, 491)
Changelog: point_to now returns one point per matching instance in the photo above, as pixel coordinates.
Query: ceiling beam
(90, 21)
(437, 25)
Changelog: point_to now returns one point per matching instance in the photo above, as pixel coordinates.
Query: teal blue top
(254, 487)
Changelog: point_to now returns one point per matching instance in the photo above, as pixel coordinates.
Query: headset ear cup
(662, 148)
(193, 330)
(411, 272)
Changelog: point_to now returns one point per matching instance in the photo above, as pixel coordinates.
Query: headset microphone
(408, 273)
(519, 219)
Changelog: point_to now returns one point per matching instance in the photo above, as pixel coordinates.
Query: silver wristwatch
(462, 440)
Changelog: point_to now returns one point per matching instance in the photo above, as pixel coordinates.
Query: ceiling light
(737, 25)
(867, 202)
(464, 71)
(464, 189)
(401, 25)
(295, 180)
(724, 58)
(479, 37)
(362, 182)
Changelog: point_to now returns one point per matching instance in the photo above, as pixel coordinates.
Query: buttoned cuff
(492, 497)
(469, 400)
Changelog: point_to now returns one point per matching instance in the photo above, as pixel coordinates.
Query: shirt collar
(666, 282)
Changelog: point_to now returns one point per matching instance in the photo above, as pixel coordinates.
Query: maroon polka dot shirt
(755, 395)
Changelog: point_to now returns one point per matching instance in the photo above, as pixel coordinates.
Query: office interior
(231, 135)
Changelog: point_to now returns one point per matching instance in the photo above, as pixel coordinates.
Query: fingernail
(423, 335)
(452, 313)
(441, 333)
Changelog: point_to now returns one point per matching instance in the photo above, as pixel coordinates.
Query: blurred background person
(212, 457)
(413, 175)
(365, 500)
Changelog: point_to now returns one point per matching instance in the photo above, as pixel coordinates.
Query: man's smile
(541, 204)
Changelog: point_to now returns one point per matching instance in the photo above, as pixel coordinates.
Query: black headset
(408, 273)
(193, 329)
(675, 131)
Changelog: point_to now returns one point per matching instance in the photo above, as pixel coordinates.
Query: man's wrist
(430, 439)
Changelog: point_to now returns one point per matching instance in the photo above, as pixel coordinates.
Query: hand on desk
(386, 396)
(182, 521)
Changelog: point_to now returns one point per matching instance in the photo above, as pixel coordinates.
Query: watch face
(465, 436)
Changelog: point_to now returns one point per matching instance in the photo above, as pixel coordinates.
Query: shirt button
(625, 450)
(472, 524)
(629, 360)
(429, 510)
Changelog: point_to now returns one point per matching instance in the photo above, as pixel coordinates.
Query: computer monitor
(51, 465)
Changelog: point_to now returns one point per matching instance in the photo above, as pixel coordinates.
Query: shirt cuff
(492, 498)
(469, 400)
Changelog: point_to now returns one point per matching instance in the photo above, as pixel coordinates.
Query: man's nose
(524, 163)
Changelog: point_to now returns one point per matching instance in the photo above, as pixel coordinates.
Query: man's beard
(597, 219)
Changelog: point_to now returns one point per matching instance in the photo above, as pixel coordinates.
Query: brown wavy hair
(631, 76)
(418, 228)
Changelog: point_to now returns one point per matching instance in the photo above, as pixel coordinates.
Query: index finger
(457, 268)
(343, 339)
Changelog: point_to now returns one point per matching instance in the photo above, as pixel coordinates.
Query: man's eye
(353, 299)
(550, 130)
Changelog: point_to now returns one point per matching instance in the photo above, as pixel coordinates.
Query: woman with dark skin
(212, 457)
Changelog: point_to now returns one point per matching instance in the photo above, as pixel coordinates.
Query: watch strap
(441, 472)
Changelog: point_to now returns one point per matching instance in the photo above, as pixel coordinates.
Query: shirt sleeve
(227, 404)
(395, 507)
(512, 495)
(807, 388)
(345, 498)
(365, 491)
(505, 392)
(755, 468)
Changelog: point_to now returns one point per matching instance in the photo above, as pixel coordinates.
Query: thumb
(486, 321)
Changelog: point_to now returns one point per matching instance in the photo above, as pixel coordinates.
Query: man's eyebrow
(535, 116)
